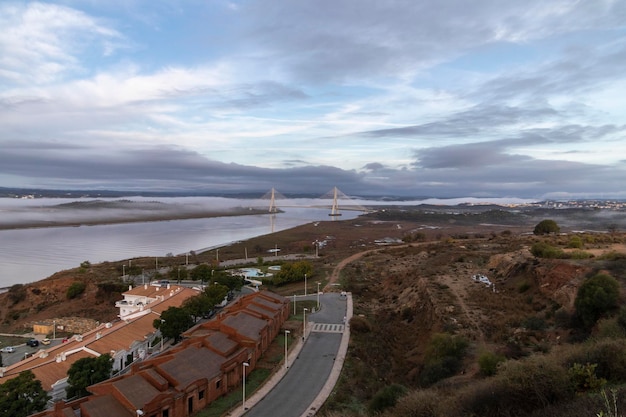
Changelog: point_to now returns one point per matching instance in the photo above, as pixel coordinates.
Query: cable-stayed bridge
(335, 200)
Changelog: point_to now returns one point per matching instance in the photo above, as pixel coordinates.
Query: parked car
(33, 343)
(45, 341)
(8, 349)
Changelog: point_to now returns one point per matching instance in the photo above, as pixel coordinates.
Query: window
(166, 412)
(201, 395)
(218, 383)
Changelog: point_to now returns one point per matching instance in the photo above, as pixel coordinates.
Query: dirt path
(456, 286)
(334, 276)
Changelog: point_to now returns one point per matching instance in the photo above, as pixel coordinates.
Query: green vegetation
(87, 371)
(545, 250)
(386, 398)
(596, 296)
(17, 293)
(76, 289)
(546, 227)
(292, 272)
(22, 396)
(444, 356)
(488, 363)
(173, 322)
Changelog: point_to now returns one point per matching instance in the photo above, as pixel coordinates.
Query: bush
(545, 250)
(360, 324)
(519, 388)
(596, 297)
(546, 227)
(579, 254)
(488, 363)
(575, 242)
(17, 293)
(609, 356)
(76, 289)
(584, 377)
(386, 397)
(444, 356)
(420, 403)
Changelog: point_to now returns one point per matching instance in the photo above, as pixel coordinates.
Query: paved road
(307, 375)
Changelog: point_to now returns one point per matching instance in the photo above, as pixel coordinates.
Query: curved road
(309, 372)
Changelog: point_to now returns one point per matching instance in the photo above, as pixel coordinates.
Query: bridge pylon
(273, 195)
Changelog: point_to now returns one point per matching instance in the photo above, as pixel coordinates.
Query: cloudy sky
(377, 97)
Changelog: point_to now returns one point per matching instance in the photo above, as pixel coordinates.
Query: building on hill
(126, 340)
(206, 365)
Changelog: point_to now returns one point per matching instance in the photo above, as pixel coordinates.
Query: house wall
(200, 393)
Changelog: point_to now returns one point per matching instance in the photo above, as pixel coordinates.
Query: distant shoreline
(131, 219)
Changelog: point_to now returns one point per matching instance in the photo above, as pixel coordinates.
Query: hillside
(413, 278)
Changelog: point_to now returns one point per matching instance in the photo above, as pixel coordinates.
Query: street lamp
(304, 310)
(318, 295)
(286, 337)
(305, 285)
(244, 366)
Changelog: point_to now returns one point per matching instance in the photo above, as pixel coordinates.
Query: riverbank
(139, 218)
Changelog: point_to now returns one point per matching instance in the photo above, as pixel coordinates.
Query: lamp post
(304, 310)
(294, 305)
(286, 337)
(244, 366)
(305, 285)
(318, 295)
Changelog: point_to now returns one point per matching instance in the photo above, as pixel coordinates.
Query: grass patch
(221, 406)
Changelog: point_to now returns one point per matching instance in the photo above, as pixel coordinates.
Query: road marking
(328, 328)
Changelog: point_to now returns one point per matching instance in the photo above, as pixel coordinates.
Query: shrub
(523, 287)
(534, 323)
(76, 289)
(609, 356)
(360, 324)
(545, 227)
(488, 363)
(519, 388)
(444, 356)
(545, 250)
(584, 377)
(595, 297)
(386, 397)
(575, 242)
(17, 293)
(579, 254)
(419, 403)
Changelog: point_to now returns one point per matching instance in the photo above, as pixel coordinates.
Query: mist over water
(31, 254)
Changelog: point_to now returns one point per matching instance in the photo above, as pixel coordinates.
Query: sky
(404, 98)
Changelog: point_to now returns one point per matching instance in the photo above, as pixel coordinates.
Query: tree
(233, 282)
(173, 322)
(197, 305)
(87, 371)
(178, 273)
(22, 396)
(545, 227)
(595, 297)
(201, 273)
(216, 293)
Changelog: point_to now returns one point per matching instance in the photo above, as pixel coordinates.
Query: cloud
(42, 42)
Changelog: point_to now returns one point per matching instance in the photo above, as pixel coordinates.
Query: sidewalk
(269, 385)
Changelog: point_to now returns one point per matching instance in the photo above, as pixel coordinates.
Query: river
(31, 254)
